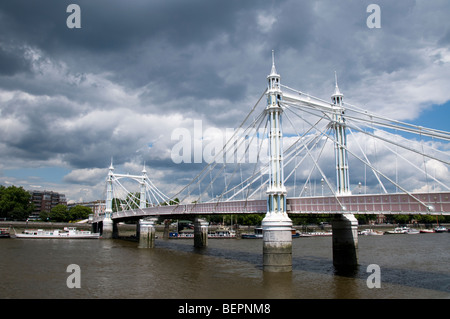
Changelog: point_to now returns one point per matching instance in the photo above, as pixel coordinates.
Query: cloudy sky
(72, 99)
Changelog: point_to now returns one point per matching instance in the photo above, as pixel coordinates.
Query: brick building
(45, 201)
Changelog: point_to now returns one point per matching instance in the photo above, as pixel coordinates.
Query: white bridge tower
(277, 243)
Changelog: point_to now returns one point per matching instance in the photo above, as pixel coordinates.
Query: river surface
(411, 266)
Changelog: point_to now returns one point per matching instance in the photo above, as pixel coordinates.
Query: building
(45, 201)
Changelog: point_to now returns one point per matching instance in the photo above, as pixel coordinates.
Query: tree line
(16, 204)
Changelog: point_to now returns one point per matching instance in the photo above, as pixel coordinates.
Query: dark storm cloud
(138, 69)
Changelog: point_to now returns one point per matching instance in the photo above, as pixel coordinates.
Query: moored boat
(316, 234)
(426, 231)
(440, 229)
(4, 233)
(257, 234)
(181, 235)
(370, 232)
(66, 233)
(412, 231)
(222, 232)
(397, 230)
(295, 233)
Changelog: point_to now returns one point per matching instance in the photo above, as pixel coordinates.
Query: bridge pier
(200, 233)
(108, 228)
(345, 241)
(147, 233)
(277, 245)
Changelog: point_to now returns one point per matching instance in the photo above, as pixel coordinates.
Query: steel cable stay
(127, 200)
(404, 146)
(214, 160)
(225, 150)
(129, 196)
(375, 169)
(316, 164)
(426, 131)
(261, 119)
(293, 148)
(399, 125)
(255, 172)
(315, 139)
(227, 147)
(397, 154)
(242, 140)
(368, 161)
(151, 186)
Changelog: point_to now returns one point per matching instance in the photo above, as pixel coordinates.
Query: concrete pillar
(115, 230)
(107, 229)
(345, 241)
(95, 228)
(200, 233)
(277, 245)
(147, 233)
(166, 228)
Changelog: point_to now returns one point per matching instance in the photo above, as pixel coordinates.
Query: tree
(401, 219)
(44, 215)
(60, 213)
(79, 212)
(15, 203)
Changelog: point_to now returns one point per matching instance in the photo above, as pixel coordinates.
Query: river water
(411, 266)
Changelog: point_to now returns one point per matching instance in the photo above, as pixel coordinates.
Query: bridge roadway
(438, 203)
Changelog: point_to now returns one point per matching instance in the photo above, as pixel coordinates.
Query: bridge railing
(435, 203)
(430, 204)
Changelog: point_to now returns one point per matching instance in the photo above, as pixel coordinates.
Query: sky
(72, 99)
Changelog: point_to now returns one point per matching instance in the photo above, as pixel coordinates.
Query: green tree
(60, 213)
(401, 219)
(15, 203)
(79, 212)
(44, 215)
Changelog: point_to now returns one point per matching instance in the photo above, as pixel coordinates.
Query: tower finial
(337, 92)
(274, 70)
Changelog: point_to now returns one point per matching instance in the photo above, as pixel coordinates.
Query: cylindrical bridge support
(147, 233)
(345, 241)
(200, 233)
(107, 228)
(277, 245)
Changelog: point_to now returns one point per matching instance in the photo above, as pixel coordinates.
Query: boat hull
(67, 233)
(29, 236)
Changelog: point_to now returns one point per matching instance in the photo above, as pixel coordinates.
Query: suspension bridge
(299, 154)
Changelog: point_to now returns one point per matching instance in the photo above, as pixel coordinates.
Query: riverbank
(130, 229)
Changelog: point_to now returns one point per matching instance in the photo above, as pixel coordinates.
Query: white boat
(440, 229)
(316, 234)
(370, 232)
(67, 233)
(398, 230)
(4, 233)
(258, 234)
(427, 231)
(403, 230)
(181, 235)
(222, 232)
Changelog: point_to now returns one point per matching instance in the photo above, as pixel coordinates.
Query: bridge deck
(357, 204)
